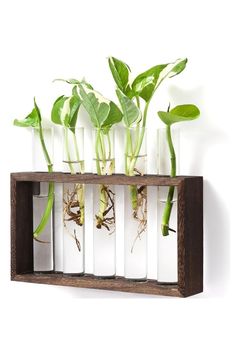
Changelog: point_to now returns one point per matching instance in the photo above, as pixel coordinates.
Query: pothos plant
(34, 120)
(135, 97)
(65, 113)
(177, 114)
(103, 114)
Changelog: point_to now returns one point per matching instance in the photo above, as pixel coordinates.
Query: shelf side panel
(190, 234)
(21, 227)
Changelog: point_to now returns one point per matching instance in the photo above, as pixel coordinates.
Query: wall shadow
(216, 242)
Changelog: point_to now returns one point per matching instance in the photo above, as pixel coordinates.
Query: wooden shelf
(190, 233)
(91, 282)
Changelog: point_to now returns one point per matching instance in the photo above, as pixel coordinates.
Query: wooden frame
(190, 233)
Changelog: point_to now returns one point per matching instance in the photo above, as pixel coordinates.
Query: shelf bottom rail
(91, 282)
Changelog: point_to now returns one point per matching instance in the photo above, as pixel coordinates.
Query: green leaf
(95, 104)
(37, 111)
(186, 110)
(120, 72)
(75, 92)
(145, 84)
(75, 103)
(179, 113)
(68, 81)
(75, 82)
(65, 111)
(32, 120)
(57, 108)
(131, 112)
(86, 84)
(177, 67)
(172, 70)
(114, 116)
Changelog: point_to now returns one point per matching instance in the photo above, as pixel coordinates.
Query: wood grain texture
(21, 227)
(190, 236)
(90, 178)
(13, 228)
(190, 233)
(90, 282)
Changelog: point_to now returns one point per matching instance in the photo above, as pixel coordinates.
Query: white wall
(42, 40)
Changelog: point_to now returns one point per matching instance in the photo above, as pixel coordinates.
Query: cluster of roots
(140, 213)
(106, 215)
(73, 210)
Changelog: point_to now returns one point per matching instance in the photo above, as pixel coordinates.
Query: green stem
(110, 160)
(80, 162)
(48, 209)
(138, 101)
(136, 151)
(169, 201)
(145, 113)
(79, 187)
(80, 198)
(103, 157)
(128, 150)
(76, 148)
(139, 140)
(103, 201)
(103, 148)
(172, 151)
(68, 158)
(130, 166)
(97, 153)
(46, 155)
(134, 196)
(109, 146)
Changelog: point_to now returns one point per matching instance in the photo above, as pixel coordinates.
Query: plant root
(172, 230)
(40, 241)
(140, 213)
(74, 210)
(106, 216)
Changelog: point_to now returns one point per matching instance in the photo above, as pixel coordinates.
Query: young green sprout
(34, 120)
(177, 114)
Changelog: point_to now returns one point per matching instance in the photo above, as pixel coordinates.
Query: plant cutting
(177, 114)
(135, 97)
(103, 114)
(34, 120)
(65, 113)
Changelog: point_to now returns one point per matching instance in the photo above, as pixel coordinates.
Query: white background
(42, 40)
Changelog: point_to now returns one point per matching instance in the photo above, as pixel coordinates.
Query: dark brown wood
(21, 227)
(190, 233)
(90, 282)
(89, 178)
(190, 236)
